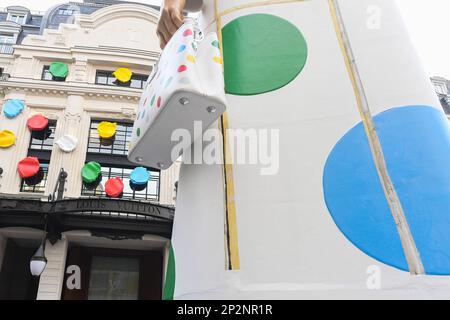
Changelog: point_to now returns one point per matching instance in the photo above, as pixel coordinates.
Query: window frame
(44, 156)
(119, 161)
(114, 83)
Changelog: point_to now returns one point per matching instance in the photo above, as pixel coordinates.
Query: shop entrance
(110, 274)
(16, 281)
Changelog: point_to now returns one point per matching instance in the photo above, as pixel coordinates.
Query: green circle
(138, 132)
(262, 53)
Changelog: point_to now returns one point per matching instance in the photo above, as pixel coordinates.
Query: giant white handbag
(187, 85)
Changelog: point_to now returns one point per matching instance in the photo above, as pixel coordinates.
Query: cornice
(67, 88)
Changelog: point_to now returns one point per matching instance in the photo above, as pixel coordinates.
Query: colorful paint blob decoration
(123, 75)
(182, 68)
(158, 103)
(106, 130)
(67, 143)
(12, 108)
(262, 53)
(216, 44)
(416, 146)
(37, 123)
(91, 172)
(28, 167)
(7, 139)
(59, 70)
(182, 48)
(140, 175)
(139, 178)
(114, 187)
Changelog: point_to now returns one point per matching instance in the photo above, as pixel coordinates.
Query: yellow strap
(231, 233)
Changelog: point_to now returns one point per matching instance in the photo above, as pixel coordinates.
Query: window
(41, 149)
(106, 78)
(65, 12)
(39, 188)
(113, 158)
(17, 18)
(151, 193)
(46, 75)
(6, 43)
(6, 39)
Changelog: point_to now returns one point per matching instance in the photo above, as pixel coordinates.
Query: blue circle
(416, 146)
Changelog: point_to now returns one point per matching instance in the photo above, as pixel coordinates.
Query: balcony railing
(4, 77)
(6, 48)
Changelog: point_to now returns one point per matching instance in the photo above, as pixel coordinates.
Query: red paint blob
(37, 123)
(158, 104)
(182, 68)
(28, 167)
(114, 187)
(187, 33)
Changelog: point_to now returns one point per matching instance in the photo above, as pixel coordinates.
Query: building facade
(442, 87)
(97, 247)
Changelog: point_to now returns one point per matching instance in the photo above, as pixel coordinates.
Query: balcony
(6, 48)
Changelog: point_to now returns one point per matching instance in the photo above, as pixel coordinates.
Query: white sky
(428, 22)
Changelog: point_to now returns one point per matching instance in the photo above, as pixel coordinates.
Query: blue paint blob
(416, 146)
(182, 48)
(140, 176)
(12, 108)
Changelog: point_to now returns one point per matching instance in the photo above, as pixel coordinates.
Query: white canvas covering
(289, 245)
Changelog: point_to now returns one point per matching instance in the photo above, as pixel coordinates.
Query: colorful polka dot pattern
(175, 68)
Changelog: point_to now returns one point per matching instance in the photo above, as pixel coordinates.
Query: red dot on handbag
(159, 102)
(187, 33)
(182, 68)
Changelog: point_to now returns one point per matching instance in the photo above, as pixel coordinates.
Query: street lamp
(38, 261)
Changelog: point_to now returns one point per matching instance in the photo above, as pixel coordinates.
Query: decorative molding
(110, 13)
(53, 88)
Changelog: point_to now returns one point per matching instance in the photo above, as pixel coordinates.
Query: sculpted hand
(171, 19)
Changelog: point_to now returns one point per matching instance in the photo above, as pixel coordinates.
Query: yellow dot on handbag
(191, 58)
(218, 60)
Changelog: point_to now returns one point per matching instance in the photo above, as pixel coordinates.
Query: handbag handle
(199, 36)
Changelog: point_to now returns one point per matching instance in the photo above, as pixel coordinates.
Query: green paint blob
(169, 286)
(138, 132)
(91, 171)
(262, 53)
(59, 70)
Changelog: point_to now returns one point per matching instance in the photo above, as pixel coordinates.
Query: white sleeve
(194, 5)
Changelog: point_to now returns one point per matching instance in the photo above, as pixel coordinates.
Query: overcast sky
(427, 20)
